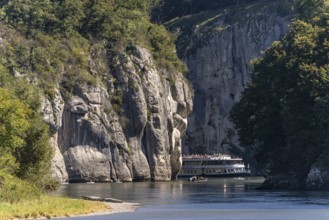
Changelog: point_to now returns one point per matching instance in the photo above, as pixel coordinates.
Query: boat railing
(208, 156)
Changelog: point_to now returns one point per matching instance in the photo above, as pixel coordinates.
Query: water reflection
(221, 191)
(228, 198)
(180, 191)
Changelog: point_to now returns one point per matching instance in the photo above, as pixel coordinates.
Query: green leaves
(56, 36)
(309, 8)
(36, 14)
(13, 121)
(35, 156)
(283, 112)
(24, 136)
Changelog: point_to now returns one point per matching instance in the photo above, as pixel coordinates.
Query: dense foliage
(309, 8)
(58, 36)
(283, 114)
(24, 146)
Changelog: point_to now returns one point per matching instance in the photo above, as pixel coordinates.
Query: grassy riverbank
(49, 207)
(21, 199)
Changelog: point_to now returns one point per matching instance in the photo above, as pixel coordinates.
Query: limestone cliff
(218, 47)
(126, 128)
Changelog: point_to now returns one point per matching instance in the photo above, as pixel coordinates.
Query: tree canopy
(283, 113)
(55, 38)
(24, 135)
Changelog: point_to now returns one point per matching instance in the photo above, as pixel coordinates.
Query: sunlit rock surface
(126, 128)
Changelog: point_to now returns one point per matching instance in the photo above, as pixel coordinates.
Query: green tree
(282, 115)
(24, 136)
(35, 14)
(35, 156)
(13, 121)
(309, 8)
(71, 13)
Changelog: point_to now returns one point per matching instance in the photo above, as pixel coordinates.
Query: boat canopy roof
(210, 157)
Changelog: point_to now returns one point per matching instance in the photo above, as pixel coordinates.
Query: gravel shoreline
(122, 207)
(113, 209)
(116, 208)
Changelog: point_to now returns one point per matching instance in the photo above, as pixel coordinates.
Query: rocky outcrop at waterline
(318, 176)
(218, 47)
(128, 127)
(316, 179)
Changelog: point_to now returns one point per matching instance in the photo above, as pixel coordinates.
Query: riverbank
(51, 207)
(229, 198)
(115, 208)
(58, 207)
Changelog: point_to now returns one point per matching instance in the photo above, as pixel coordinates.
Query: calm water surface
(225, 199)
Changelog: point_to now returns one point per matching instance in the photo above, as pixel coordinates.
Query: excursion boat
(213, 166)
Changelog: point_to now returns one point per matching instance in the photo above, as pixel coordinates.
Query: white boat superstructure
(213, 165)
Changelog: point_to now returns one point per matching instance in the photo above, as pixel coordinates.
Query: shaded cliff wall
(129, 127)
(218, 47)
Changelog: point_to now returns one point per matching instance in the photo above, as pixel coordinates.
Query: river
(227, 199)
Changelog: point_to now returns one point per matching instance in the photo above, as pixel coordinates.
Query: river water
(227, 199)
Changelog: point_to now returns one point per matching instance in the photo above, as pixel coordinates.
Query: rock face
(318, 176)
(128, 127)
(218, 52)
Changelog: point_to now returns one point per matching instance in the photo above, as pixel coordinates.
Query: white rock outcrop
(128, 128)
